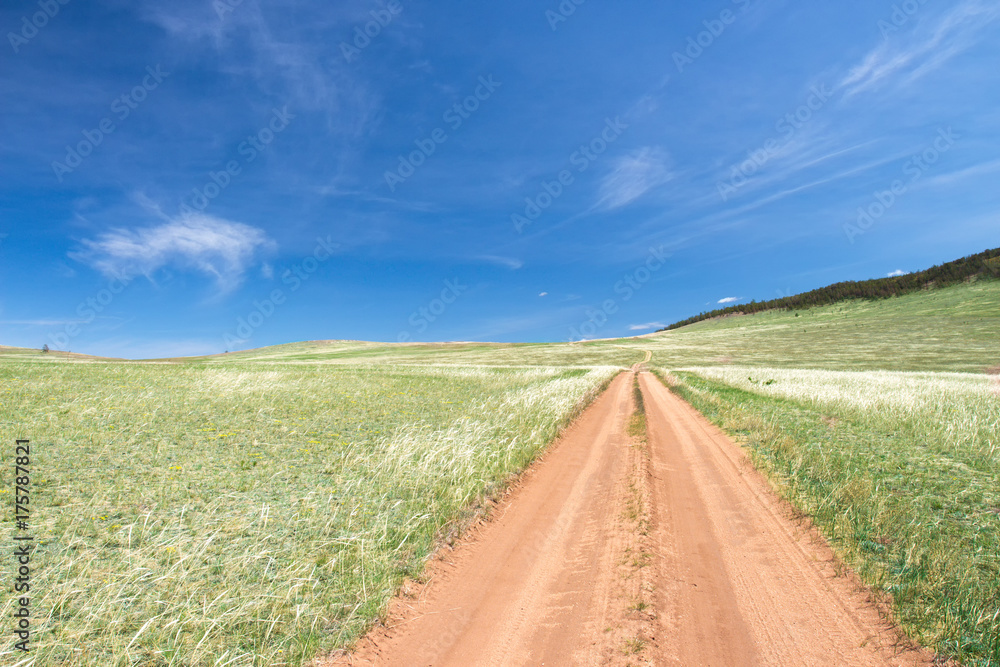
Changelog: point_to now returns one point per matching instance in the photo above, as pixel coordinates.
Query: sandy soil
(616, 552)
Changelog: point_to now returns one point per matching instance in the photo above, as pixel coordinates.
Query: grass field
(199, 515)
(259, 507)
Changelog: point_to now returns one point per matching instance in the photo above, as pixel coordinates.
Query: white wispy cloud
(511, 263)
(928, 47)
(898, 272)
(729, 213)
(632, 176)
(730, 299)
(247, 42)
(99, 323)
(954, 177)
(219, 248)
(647, 326)
(333, 190)
(43, 323)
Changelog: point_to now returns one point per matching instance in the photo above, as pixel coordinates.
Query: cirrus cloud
(216, 247)
(632, 176)
(647, 326)
(931, 44)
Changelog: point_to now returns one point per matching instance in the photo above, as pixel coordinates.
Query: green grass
(900, 471)
(253, 514)
(481, 354)
(637, 421)
(633, 646)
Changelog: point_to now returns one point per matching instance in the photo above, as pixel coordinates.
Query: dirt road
(614, 552)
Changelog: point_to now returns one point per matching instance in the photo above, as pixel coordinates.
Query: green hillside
(951, 329)
(981, 265)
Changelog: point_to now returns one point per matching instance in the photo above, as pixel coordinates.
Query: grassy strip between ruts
(918, 524)
(637, 422)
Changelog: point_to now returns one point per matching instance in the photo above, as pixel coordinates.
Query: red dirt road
(615, 552)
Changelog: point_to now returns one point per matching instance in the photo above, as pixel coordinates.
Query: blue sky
(189, 177)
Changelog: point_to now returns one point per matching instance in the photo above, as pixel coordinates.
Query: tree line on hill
(982, 265)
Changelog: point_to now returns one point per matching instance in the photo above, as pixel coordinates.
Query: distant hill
(35, 354)
(982, 265)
